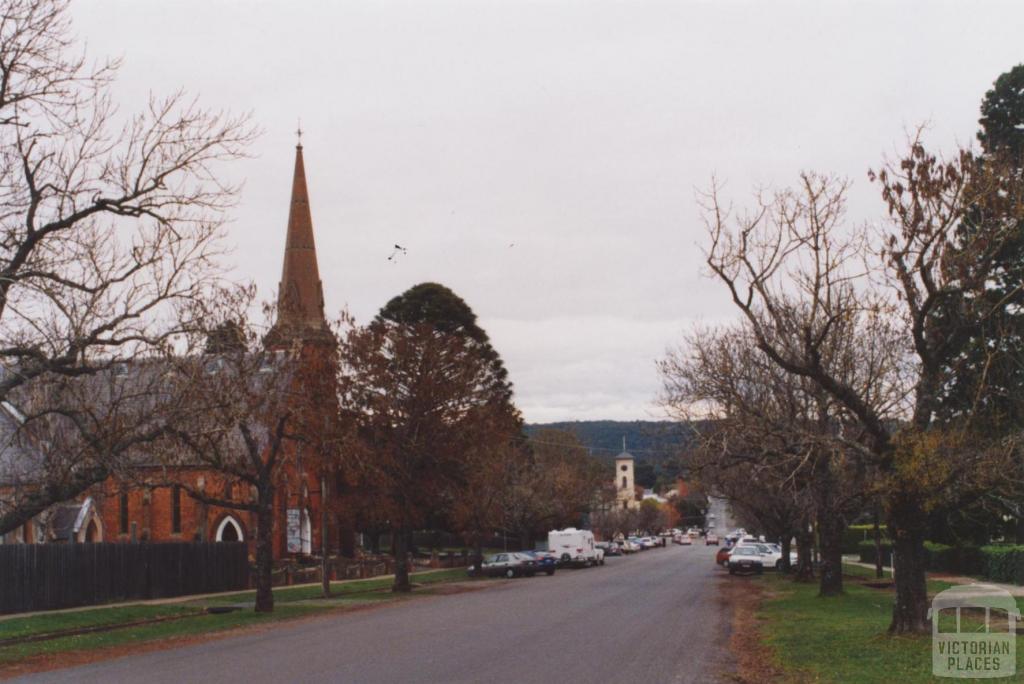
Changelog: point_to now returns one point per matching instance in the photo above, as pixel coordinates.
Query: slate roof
(19, 461)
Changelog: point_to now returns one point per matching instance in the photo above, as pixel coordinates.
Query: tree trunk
(878, 546)
(400, 547)
(907, 526)
(375, 541)
(346, 538)
(265, 551)
(786, 542)
(830, 534)
(804, 564)
(478, 555)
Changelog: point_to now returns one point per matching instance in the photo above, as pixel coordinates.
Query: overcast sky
(540, 158)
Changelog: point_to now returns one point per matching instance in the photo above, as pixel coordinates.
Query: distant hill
(655, 445)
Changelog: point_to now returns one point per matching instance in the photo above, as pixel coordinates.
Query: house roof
(20, 462)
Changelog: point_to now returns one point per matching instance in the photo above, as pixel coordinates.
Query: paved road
(722, 523)
(650, 617)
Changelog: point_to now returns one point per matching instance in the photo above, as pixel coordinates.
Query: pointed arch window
(229, 530)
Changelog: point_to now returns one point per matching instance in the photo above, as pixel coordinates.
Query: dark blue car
(546, 562)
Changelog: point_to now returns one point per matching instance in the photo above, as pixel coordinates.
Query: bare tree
(799, 276)
(109, 226)
(254, 411)
(771, 447)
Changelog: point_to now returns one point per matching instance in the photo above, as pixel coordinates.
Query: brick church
(119, 512)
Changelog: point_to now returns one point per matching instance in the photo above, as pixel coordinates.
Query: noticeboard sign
(294, 531)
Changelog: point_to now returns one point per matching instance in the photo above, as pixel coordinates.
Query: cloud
(585, 367)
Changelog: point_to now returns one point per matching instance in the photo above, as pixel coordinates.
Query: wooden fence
(49, 576)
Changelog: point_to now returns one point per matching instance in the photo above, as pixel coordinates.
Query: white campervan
(574, 547)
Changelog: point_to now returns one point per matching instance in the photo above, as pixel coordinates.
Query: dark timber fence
(49, 576)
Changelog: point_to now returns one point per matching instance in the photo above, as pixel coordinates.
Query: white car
(772, 556)
(685, 540)
(778, 549)
(746, 558)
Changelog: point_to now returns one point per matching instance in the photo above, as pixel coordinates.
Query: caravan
(574, 547)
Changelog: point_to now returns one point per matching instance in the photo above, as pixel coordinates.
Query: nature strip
(209, 610)
(77, 631)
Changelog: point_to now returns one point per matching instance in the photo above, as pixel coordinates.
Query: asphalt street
(650, 617)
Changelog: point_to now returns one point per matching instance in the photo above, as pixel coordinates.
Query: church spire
(300, 297)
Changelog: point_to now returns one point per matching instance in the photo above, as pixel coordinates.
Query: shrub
(866, 549)
(855, 534)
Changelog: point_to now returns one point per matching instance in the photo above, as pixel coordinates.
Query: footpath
(1013, 589)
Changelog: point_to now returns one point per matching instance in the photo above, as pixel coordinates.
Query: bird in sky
(398, 250)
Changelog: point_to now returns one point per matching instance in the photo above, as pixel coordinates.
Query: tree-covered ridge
(649, 440)
(655, 445)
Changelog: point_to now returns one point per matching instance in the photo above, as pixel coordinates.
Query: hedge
(1004, 563)
(999, 563)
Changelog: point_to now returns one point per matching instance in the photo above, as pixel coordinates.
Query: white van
(574, 547)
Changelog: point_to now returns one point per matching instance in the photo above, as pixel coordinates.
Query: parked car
(722, 557)
(746, 558)
(509, 564)
(545, 561)
(778, 549)
(771, 556)
(574, 547)
(629, 546)
(710, 539)
(685, 540)
(610, 548)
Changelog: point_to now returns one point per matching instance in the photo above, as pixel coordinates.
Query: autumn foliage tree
(416, 385)
(555, 484)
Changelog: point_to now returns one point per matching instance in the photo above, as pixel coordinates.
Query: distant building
(625, 494)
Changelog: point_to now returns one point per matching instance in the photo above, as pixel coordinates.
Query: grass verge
(841, 639)
(342, 589)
